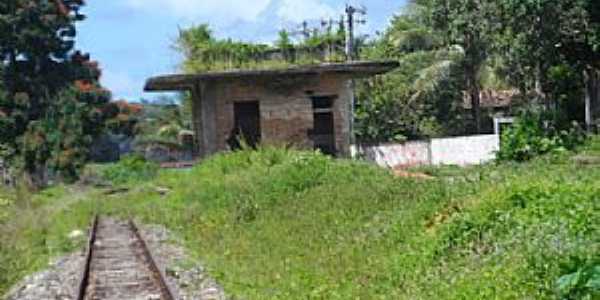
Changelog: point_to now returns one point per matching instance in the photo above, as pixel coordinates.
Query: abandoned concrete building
(305, 107)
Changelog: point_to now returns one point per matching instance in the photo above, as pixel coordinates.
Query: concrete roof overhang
(180, 82)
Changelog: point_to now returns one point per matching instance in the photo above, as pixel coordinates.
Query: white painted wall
(462, 151)
(396, 155)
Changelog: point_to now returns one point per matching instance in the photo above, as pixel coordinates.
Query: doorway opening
(323, 133)
(246, 125)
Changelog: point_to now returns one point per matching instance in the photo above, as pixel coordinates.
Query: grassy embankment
(279, 224)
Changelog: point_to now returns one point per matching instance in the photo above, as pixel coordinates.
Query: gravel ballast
(187, 277)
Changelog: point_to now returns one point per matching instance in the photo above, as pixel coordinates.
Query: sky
(132, 39)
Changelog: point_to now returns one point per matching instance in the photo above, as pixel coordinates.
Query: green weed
(282, 224)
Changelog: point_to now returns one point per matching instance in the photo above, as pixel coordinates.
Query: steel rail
(158, 275)
(85, 276)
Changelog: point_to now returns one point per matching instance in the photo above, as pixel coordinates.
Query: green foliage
(123, 118)
(540, 47)
(420, 99)
(35, 230)
(51, 100)
(162, 121)
(529, 138)
(74, 119)
(202, 51)
(281, 224)
(5, 202)
(584, 283)
(283, 41)
(129, 169)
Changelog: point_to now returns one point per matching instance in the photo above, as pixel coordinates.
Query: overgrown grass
(281, 224)
(35, 228)
(130, 169)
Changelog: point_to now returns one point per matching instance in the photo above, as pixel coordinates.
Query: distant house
(495, 105)
(496, 102)
(308, 107)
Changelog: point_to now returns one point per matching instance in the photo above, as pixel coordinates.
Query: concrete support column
(209, 117)
(197, 121)
(204, 120)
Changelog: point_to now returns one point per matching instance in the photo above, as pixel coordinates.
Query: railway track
(119, 265)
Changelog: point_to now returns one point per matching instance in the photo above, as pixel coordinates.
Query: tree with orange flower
(52, 102)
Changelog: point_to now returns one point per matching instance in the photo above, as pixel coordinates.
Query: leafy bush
(4, 203)
(133, 168)
(281, 224)
(581, 284)
(531, 136)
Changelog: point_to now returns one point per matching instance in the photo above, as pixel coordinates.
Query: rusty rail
(85, 276)
(158, 275)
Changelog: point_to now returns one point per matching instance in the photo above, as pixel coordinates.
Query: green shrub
(584, 283)
(281, 224)
(133, 168)
(4, 204)
(531, 136)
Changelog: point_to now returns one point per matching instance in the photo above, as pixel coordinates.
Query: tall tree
(580, 24)
(422, 98)
(38, 64)
(468, 23)
(541, 36)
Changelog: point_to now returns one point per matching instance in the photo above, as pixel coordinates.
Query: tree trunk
(475, 95)
(539, 90)
(476, 103)
(588, 106)
(472, 64)
(592, 95)
(36, 179)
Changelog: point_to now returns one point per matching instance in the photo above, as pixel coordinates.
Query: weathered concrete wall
(396, 155)
(165, 153)
(285, 110)
(469, 150)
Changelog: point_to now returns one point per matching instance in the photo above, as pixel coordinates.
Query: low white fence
(462, 151)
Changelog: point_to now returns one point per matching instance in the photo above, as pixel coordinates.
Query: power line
(351, 11)
(304, 31)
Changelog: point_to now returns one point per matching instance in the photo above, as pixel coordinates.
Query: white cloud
(213, 10)
(300, 10)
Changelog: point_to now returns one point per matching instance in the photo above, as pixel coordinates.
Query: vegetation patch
(36, 228)
(133, 168)
(282, 224)
(532, 136)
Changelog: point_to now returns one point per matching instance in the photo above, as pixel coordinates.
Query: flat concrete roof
(178, 82)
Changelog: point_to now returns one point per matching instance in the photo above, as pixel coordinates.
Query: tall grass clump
(130, 169)
(35, 229)
(284, 224)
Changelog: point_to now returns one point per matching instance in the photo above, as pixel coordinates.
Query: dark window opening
(323, 133)
(322, 102)
(246, 125)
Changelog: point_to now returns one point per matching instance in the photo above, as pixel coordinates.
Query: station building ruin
(307, 107)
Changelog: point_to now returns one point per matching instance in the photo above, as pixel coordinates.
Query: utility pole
(350, 19)
(350, 12)
(304, 31)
